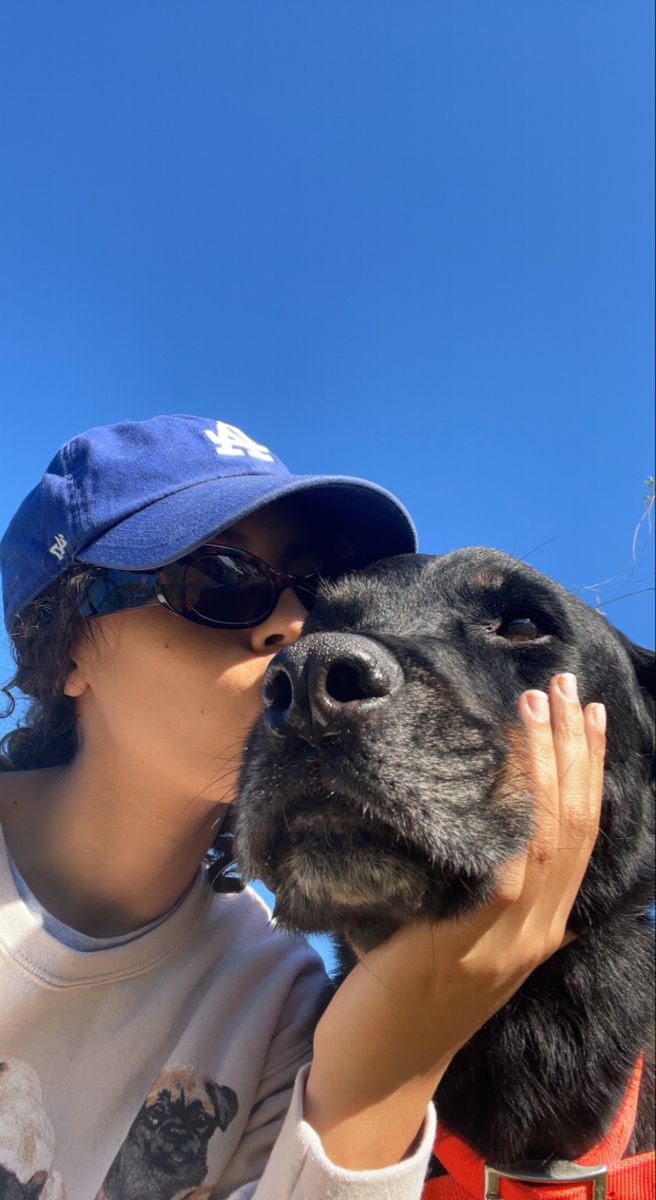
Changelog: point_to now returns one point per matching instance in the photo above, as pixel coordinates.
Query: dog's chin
(320, 889)
(359, 883)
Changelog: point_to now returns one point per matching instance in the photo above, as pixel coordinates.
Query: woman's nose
(282, 627)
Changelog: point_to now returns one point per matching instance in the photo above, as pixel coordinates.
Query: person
(160, 1038)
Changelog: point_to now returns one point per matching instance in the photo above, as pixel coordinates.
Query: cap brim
(176, 524)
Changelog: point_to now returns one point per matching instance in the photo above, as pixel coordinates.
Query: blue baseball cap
(141, 494)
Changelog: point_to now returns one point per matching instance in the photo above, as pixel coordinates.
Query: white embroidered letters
(232, 443)
(59, 547)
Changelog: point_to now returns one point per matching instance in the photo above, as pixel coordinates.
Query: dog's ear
(644, 665)
(225, 1103)
(36, 1184)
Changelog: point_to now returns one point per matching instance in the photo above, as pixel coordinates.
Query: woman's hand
(389, 1034)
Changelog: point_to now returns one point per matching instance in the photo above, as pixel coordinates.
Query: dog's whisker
(524, 557)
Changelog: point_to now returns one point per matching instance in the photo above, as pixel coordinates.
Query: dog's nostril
(346, 682)
(278, 692)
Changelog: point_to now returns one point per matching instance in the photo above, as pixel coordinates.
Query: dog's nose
(313, 686)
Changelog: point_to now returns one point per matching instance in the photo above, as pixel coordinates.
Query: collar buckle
(557, 1173)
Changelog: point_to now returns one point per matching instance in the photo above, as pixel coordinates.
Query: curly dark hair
(43, 636)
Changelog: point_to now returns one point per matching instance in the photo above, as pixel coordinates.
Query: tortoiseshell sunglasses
(218, 586)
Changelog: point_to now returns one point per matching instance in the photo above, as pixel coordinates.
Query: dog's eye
(519, 629)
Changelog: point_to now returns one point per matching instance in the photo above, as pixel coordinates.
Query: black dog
(384, 783)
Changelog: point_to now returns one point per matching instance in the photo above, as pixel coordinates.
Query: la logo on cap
(230, 442)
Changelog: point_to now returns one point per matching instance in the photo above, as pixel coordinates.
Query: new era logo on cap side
(230, 442)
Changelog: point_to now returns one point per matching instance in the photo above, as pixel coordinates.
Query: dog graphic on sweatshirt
(27, 1139)
(165, 1151)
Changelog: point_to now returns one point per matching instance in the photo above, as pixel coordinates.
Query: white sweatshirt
(162, 1068)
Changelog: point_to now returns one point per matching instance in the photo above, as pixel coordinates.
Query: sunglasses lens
(113, 592)
(227, 590)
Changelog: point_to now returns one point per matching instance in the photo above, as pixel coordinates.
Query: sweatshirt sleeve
(298, 1168)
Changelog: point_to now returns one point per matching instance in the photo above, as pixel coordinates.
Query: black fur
(401, 795)
(11, 1187)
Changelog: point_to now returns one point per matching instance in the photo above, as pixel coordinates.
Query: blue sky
(409, 241)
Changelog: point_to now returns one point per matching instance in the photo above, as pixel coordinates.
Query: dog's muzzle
(316, 686)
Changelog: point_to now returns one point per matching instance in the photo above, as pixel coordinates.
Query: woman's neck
(103, 851)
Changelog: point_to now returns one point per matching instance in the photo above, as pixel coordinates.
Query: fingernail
(598, 713)
(538, 703)
(567, 685)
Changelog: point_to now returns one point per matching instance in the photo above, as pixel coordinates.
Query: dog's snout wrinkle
(312, 687)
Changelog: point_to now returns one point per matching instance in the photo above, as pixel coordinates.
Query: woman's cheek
(241, 686)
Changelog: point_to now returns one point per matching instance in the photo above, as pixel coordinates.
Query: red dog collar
(617, 1179)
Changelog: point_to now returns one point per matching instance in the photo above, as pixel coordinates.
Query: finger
(594, 722)
(571, 748)
(557, 770)
(595, 731)
(578, 749)
(572, 757)
(542, 771)
(521, 880)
